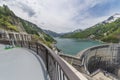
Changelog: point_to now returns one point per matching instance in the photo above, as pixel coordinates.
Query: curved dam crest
(104, 58)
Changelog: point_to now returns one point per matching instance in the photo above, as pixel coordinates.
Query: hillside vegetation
(107, 32)
(10, 22)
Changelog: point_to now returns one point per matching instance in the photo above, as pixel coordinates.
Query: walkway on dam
(21, 64)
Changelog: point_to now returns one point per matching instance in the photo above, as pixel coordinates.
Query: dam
(99, 62)
(95, 63)
(104, 57)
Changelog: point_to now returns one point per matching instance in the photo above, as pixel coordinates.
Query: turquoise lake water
(73, 46)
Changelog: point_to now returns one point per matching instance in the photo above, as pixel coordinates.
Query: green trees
(6, 17)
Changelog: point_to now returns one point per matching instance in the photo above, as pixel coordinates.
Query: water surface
(73, 46)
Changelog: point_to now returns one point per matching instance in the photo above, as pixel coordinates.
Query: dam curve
(105, 57)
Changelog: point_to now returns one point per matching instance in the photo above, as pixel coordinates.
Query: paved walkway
(21, 64)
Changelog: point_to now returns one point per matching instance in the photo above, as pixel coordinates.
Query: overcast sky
(63, 15)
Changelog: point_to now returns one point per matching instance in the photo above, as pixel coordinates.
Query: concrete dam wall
(105, 57)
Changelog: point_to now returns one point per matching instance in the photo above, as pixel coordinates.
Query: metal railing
(56, 67)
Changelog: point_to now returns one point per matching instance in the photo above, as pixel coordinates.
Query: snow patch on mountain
(112, 18)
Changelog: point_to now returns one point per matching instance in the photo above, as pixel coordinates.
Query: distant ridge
(52, 33)
(107, 31)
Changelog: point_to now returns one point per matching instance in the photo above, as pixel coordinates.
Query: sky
(63, 15)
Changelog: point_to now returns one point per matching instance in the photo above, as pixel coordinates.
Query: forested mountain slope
(105, 31)
(10, 22)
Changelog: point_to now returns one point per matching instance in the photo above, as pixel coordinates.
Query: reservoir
(73, 46)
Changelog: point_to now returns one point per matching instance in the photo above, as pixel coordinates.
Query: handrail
(56, 67)
(65, 71)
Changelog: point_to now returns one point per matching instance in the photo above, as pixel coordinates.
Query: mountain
(78, 30)
(68, 34)
(112, 18)
(107, 31)
(10, 22)
(51, 33)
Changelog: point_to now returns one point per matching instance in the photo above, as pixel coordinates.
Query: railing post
(37, 48)
(47, 59)
(63, 77)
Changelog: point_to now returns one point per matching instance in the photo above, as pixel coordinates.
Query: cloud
(61, 15)
(20, 5)
(27, 9)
